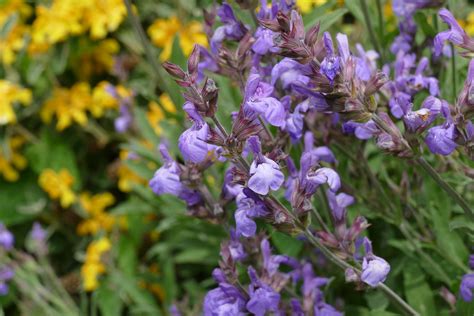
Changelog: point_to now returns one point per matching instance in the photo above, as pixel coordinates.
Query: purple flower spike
(374, 270)
(324, 175)
(455, 34)
(467, 285)
(38, 233)
(440, 139)
(6, 238)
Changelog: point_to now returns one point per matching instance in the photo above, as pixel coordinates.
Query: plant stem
(382, 29)
(403, 306)
(453, 66)
(446, 187)
(365, 11)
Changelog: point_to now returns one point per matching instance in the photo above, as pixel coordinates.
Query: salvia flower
(6, 274)
(166, 180)
(232, 29)
(193, 142)
(455, 34)
(258, 98)
(263, 298)
(265, 174)
(6, 238)
(374, 269)
(440, 139)
(467, 286)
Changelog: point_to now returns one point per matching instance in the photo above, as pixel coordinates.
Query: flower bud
(174, 70)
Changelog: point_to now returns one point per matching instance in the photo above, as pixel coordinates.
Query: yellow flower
(155, 113)
(306, 6)
(97, 60)
(9, 7)
(11, 93)
(58, 186)
(93, 266)
(104, 16)
(102, 99)
(468, 24)
(64, 18)
(55, 23)
(11, 160)
(163, 32)
(12, 43)
(68, 105)
(98, 219)
(126, 177)
(167, 103)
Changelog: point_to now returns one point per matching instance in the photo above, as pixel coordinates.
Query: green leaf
(108, 299)
(20, 201)
(418, 293)
(329, 19)
(286, 244)
(169, 280)
(144, 126)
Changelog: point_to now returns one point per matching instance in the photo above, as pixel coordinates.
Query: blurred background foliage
(83, 106)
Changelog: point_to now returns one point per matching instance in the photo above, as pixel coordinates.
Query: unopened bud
(174, 70)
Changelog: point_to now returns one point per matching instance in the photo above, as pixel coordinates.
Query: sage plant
(298, 85)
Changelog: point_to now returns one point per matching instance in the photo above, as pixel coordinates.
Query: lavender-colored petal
(374, 270)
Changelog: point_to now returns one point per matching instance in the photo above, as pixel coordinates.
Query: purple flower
(374, 270)
(192, 143)
(38, 233)
(324, 309)
(467, 285)
(224, 300)
(419, 120)
(324, 175)
(290, 72)
(455, 34)
(440, 139)
(263, 298)
(339, 203)
(366, 63)
(125, 119)
(264, 42)
(236, 248)
(6, 238)
(258, 98)
(231, 29)
(166, 180)
(330, 64)
(6, 273)
(265, 174)
(247, 209)
(271, 263)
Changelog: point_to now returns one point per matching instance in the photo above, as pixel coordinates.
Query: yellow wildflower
(104, 16)
(11, 160)
(11, 93)
(163, 32)
(167, 103)
(58, 186)
(468, 24)
(68, 105)
(97, 60)
(93, 266)
(102, 99)
(126, 177)
(9, 7)
(12, 43)
(306, 6)
(98, 219)
(156, 114)
(64, 18)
